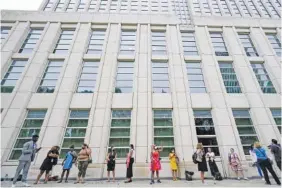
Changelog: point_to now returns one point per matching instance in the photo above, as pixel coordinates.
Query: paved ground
(165, 183)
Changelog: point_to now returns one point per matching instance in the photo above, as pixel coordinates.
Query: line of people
(83, 158)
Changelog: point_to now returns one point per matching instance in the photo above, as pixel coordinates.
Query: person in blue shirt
(264, 163)
(67, 163)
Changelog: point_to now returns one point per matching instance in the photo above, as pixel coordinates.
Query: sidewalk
(145, 183)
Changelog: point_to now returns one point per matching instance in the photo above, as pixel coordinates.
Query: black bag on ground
(188, 175)
(194, 158)
(218, 176)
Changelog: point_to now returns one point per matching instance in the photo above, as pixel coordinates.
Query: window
(120, 132)
(277, 3)
(248, 45)
(195, 77)
(263, 78)
(49, 5)
(96, 42)
(155, 6)
(215, 7)
(244, 8)
(88, 76)
(4, 33)
(75, 131)
(246, 130)
(253, 8)
(127, 42)
(196, 7)
(180, 9)
(219, 44)
(276, 113)
(103, 5)
(275, 43)
(229, 78)
(158, 42)
(272, 9)
(113, 6)
(234, 7)
(160, 77)
(134, 6)
(92, 6)
(71, 5)
(144, 6)
(124, 77)
(206, 7)
(225, 7)
(31, 126)
(50, 77)
(81, 5)
(124, 6)
(205, 130)
(64, 42)
(60, 6)
(263, 9)
(163, 130)
(13, 74)
(164, 6)
(31, 40)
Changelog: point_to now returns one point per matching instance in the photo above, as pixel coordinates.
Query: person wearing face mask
(84, 156)
(111, 163)
(129, 164)
(155, 163)
(173, 164)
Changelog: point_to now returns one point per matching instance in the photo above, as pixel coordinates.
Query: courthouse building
(119, 72)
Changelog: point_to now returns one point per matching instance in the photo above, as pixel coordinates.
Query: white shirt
(210, 156)
(133, 153)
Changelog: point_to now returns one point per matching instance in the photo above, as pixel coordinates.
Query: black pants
(213, 168)
(129, 172)
(265, 166)
(278, 164)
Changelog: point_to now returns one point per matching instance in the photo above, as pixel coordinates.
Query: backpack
(194, 158)
(218, 176)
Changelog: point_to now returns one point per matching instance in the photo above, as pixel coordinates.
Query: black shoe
(152, 182)
(159, 181)
(267, 183)
(59, 181)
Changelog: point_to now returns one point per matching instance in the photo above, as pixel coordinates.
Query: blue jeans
(259, 170)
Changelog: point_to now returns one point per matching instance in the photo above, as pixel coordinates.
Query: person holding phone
(173, 160)
(111, 162)
(155, 163)
(84, 156)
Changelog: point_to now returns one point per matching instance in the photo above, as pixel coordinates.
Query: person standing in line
(129, 164)
(111, 162)
(276, 150)
(173, 163)
(265, 164)
(48, 163)
(201, 159)
(254, 160)
(83, 158)
(28, 153)
(212, 164)
(67, 163)
(235, 164)
(155, 163)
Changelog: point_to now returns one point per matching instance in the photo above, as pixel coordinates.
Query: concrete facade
(142, 100)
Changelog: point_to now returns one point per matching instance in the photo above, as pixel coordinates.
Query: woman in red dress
(155, 163)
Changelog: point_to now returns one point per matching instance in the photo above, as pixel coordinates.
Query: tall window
(103, 5)
(120, 132)
(4, 33)
(71, 5)
(263, 9)
(229, 78)
(234, 7)
(248, 45)
(246, 130)
(60, 6)
(49, 5)
(81, 5)
(225, 7)
(92, 6)
(195, 77)
(113, 6)
(96, 42)
(50, 77)
(30, 41)
(13, 74)
(276, 114)
(215, 7)
(206, 6)
(263, 78)
(189, 43)
(124, 6)
(158, 42)
(218, 44)
(205, 130)
(244, 8)
(163, 130)
(275, 43)
(164, 6)
(88, 77)
(127, 42)
(144, 6)
(253, 8)
(31, 126)
(160, 77)
(277, 3)
(134, 6)
(155, 6)
(196, 7)
(124, 77)
(75, 130)
(64, 42)
(272, 9)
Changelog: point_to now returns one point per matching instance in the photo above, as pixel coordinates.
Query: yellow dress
(172, 160)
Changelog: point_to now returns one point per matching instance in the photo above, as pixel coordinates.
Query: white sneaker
(262, 179)
(238, 178)
(13, 185)
(246, 179)
(26, 184)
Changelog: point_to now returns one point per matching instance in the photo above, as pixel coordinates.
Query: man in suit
(28, 153)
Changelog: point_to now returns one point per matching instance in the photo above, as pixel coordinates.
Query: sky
(20, 4)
